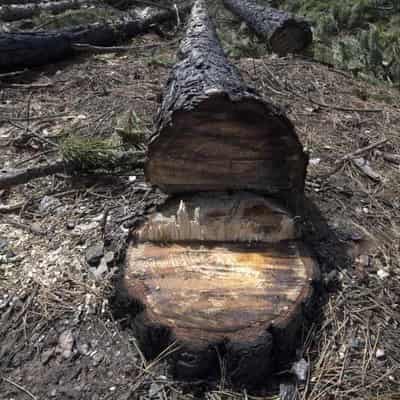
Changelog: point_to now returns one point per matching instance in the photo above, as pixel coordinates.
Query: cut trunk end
(293, 37)
(227, 145)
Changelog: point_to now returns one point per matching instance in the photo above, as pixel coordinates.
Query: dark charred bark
(215, 133)
(283, 32)
(28, 49)
(24, 11)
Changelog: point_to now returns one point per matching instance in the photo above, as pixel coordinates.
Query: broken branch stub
(283, 32)
(215, 133)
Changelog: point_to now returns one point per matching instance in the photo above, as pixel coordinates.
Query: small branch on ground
(363, 150)
(391, 157)
(122, 160)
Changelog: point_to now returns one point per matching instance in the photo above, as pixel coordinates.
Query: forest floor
(60, 337)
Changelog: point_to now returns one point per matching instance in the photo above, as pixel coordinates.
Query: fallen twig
(393, 158)
(358, 152)
(26, 391)
(4, 209)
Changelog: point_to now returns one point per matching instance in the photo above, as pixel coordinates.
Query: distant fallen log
(14, 2)
(28, 49)
(21, 11)
(283, 32)
(215, 133)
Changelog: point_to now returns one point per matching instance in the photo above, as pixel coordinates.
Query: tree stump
(223, 276)
(220, 270)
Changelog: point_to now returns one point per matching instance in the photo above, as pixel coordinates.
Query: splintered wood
(240, 217)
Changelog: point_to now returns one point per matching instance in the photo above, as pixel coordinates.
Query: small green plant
(88, 154)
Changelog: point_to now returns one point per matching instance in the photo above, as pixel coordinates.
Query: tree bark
(283, 32)
(28, 49)
(219, 277)
(215, 133)
(24, 11)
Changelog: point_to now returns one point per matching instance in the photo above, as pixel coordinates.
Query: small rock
(109, 258)
(94, 254)
(354, 343)
(300, 369)
(101, 270)
(37, 228)
(70, 225)
(97, 359)
(314, 161)
(382, 274)
(49, 204)
(65, 344)
(380, 353)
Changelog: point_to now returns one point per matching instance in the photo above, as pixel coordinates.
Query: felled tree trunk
(21, 11)
(215, 133)
(28, 49)
(283, 32)
(14, 2)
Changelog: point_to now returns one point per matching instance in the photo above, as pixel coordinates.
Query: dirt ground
(60, 335)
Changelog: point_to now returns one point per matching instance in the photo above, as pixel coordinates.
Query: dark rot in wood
(215, 133)
(283, 32)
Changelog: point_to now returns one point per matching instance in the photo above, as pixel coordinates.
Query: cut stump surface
(216, 294)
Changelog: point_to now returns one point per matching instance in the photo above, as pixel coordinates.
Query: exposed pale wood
(245, 302)
(220, 274)
(223, 217)
(215, 133)
(283, 32)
